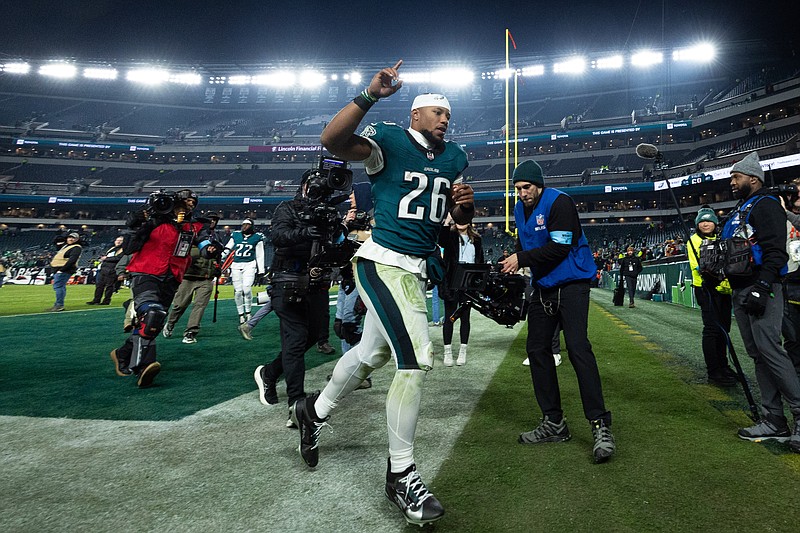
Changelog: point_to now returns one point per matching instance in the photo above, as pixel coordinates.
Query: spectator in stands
(713, 295)
(64, 265)
(758, 301)
(106, 282)
(552, 244)
(630, 267)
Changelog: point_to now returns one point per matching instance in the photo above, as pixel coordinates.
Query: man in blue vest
(758, 301)
(552, 244)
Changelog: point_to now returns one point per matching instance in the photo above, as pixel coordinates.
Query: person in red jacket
(160, 247)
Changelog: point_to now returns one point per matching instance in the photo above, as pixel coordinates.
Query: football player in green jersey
(415, 178)
(247, 247)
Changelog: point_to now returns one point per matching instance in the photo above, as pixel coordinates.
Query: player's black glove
(756, 296)
(348, 285)
(311, 233)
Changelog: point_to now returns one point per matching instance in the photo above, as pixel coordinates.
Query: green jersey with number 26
(410, 192)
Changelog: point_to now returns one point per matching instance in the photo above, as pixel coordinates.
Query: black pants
(791, 328)
(138, 352)
(569, 305)
(300, 325)
(630, 283)
(105, 284)
(715, 310)
(447, 326)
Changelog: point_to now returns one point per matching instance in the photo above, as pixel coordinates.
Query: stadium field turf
(84, 449)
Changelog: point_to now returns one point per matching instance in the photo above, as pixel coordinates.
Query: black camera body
(787, 191)
(330, 177)
(160, 203)
(326, 187)
(498, 296)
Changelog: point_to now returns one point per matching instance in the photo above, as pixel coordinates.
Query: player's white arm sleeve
(260, 257)
(374, 163)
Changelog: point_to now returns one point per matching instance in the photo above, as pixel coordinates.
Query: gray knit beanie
(750, 166)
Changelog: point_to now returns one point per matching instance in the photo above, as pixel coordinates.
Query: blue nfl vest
(732, 225)
(533, 233)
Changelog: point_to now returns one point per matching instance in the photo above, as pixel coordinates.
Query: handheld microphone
(647, 151)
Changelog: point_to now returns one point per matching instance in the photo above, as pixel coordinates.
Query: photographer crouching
(309, 239)
(163, 235)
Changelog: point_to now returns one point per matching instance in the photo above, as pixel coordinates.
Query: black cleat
(310, 428)
(407, 491)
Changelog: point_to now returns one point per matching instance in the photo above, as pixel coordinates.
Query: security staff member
(758, 301)
(299, 296)
(552, 244)
(161, 254)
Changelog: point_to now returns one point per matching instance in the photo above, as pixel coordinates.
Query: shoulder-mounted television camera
(331, 176)
(160, 203)
(495, 295)
(787, 191)
(327, 186)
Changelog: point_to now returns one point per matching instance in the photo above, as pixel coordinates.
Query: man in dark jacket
(299, 295)
(106, 282)
(64, 265)
(758, 301)
(552, 244)
(630, 267)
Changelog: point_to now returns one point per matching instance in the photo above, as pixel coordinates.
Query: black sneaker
(794, 440)
(310, 428)
(407, 491)
(722, 379)
(326, 348)
(604, 445)
(267, 392)
(547, 431)
(766, 429)
(148, 375)
(122, 372)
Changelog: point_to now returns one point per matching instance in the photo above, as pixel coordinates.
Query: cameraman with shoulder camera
(414, 175)
(160, 246)
(791, 284)
(759, 222)
(299, 290)
(552, 244)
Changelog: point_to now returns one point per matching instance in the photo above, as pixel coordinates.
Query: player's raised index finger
(397, 65)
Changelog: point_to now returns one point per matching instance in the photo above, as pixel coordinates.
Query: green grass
(79, 443)
(679, 465)
(72, 350)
